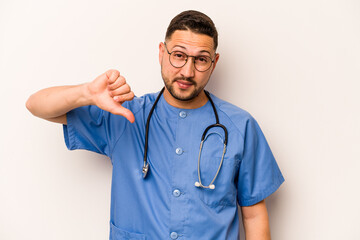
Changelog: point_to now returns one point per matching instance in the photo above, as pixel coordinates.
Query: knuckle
(127, 88)
(122, 80)
(114, 71)
(115, 74)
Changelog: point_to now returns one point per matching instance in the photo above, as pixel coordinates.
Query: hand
(108, 91)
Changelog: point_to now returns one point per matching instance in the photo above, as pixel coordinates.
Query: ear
(215, 62)
(161, 51)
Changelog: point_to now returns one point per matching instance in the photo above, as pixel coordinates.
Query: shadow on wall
(219, 80)
(225, 80)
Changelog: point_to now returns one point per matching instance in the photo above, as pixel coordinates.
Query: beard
(169, 84)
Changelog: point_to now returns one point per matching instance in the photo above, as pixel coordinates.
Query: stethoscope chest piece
(211, 186)
(145, 170)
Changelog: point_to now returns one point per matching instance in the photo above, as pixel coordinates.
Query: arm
(256, 222)
(107, 92)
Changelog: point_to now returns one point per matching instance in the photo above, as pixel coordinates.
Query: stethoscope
(145, 168)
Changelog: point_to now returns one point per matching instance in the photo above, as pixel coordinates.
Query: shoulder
(141, 103)
(233, 114)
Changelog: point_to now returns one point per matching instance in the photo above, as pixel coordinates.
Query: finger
(124, 97)
(119, 82)
(112, 75)
(124, 89)
(129, 115)
(124, 112)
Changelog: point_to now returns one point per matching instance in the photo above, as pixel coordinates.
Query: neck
(196, 102)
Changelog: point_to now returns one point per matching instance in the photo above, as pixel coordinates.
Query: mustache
(190, 80)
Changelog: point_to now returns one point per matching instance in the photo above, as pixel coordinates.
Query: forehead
(191, 41)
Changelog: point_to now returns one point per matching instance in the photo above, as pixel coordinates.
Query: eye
(202, 59)
(179, 55)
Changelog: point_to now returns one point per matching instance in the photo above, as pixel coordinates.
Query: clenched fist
(109, 90)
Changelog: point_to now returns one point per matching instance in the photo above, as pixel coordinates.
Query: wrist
(86, 96)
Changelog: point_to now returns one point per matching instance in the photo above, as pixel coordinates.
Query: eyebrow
(202, 51)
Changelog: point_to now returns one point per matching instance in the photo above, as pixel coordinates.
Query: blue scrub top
(167, 205)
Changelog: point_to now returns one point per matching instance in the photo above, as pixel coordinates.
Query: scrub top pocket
(119, 234)
(224, 193)
(225, 190)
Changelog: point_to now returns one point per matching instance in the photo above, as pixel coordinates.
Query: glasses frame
(187, 57)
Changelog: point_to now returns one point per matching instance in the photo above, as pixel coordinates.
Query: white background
(294, 65)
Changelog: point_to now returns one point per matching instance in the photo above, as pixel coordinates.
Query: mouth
(183, 84)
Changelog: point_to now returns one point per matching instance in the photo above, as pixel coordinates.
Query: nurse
(174, 192)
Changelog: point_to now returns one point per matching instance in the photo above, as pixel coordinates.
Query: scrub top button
(183, 114)
(174, 235)
(179, 151)
(176, 192)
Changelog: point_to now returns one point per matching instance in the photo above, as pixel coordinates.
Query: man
(181, 189)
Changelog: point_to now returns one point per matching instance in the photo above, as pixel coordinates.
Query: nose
(188, 70)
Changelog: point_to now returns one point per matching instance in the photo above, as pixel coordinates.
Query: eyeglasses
(178, 59)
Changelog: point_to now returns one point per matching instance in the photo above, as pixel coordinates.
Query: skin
(192, 44)
(107, 91)
(184, 89)
(256, 222)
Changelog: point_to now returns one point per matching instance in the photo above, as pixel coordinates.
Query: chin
(184, 95)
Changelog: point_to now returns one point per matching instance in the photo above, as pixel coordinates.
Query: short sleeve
(259, 174)
(91, 128)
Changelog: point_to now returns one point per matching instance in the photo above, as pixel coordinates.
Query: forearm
(256, 222)
(57, 101)
(107, 92)
(257, 228)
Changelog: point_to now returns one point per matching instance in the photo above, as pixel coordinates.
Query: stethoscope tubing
(145, 168)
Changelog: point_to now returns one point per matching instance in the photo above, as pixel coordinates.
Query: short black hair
(194, 21)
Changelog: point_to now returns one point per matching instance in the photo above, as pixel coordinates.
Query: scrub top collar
(165, 109)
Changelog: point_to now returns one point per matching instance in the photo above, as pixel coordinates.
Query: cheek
(165, 71)
(205, 78)
(168, 69)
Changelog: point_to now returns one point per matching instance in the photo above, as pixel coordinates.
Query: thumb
(120, 110)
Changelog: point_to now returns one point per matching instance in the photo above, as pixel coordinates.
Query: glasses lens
(202, 63)
(178, 59)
